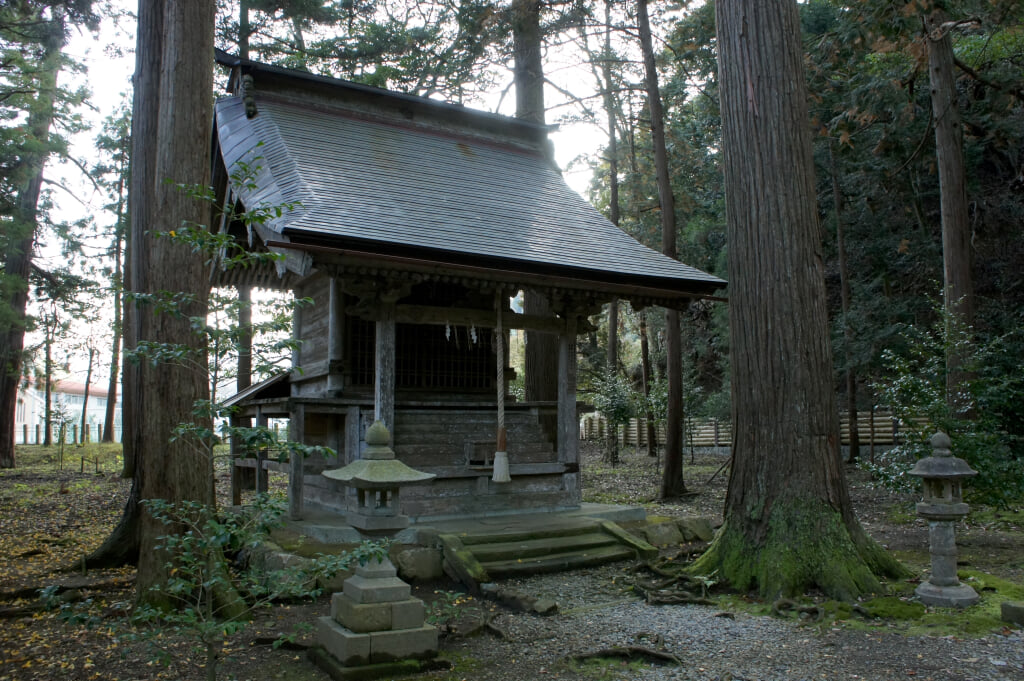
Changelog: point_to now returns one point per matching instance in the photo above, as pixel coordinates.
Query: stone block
(696, 529)
(347, 647)
(419, 643)
(408, 614)
(960, 596)
(363, 590)
(663, 534)
(376, 569)
(1013, 612)
(420, 563)
(378, 523)
(360, 617)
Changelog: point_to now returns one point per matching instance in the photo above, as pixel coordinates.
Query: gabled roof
(380, 172)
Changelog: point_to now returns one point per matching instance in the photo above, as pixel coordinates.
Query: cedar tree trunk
(22, 233)
(788, 521)
(958, 289)
(672, 483)
(541, 357)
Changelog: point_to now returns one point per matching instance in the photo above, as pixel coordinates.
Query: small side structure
(410, 224)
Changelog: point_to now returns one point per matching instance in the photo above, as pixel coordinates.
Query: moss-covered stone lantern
(943, 504)
(377, 478)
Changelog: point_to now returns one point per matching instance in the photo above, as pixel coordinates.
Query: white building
(66, 398)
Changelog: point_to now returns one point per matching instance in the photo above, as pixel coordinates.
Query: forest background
(875, 151)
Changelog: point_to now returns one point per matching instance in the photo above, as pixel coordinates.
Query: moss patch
(807, 546)
(893, 608)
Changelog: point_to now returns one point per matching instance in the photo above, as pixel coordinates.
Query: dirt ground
(50, 518)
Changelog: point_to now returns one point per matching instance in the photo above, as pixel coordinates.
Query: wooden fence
(879, 428)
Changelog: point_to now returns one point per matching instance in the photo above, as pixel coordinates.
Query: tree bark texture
(788, 520)
(28, 174)
(958, 288)
(170, 144)
(672, 482)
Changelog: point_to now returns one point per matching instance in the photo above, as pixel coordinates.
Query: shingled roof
(380, 172)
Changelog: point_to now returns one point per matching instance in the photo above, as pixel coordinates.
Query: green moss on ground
(807, 546)
(893, 608)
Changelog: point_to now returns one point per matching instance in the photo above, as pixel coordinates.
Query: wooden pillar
(568, 427)
(261, 456)
(37, 434)
(24, 433)
(335, 338)
(234, 455)
(352, 435)
(297, 433)
(384, 375)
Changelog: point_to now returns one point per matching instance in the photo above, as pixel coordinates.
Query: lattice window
(427, 358)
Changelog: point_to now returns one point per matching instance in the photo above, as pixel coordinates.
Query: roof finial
(248, 96)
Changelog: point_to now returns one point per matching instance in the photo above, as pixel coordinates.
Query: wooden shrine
(410, 223)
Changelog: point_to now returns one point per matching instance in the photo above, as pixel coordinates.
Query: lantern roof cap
(942, 463)
(378, 469)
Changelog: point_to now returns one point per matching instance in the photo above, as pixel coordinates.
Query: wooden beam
(384, 375)
(335, 337)
(568, 427)
(425, 314)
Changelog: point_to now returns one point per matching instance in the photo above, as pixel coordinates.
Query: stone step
(532, 548)
(563, 529)
(558, 562)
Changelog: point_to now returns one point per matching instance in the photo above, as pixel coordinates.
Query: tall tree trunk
(958, 288)
(788, 525)
(48, 382)
(645, 367)
(22, 233)
(180, 81)
(170, 141)
(612, 357)
(541, 356)
(844, 296)
(672, 483)
(109, 417)
(85, 397)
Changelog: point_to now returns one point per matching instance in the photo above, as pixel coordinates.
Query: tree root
(675, 587)
(630, 653)
(814, 613)
(485, 626)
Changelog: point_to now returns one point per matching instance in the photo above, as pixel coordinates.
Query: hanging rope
(500, 379)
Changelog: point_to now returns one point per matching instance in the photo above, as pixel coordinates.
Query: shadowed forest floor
(50, 518)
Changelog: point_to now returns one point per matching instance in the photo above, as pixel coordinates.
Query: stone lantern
(375, 619)
(942, 506)
(377, 478)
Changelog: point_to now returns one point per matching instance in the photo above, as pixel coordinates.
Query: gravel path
(596, 612)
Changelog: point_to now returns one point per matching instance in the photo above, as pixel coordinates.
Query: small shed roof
(374, 171)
